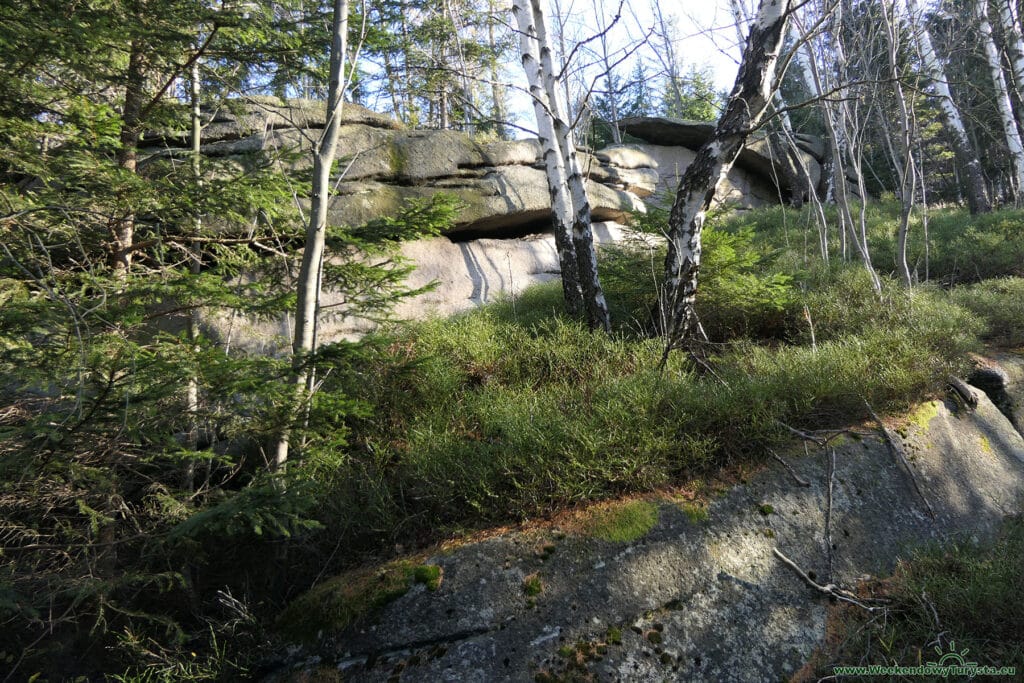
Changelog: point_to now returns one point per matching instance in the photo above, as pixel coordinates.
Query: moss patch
(350, 597)
(621, 522)
(429, 575)
(695, 512)
(923, 415)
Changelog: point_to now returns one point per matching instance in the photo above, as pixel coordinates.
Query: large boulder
(763, 162)
(464, 274)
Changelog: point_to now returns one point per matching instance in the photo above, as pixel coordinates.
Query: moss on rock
(621, 522)
(350, 597)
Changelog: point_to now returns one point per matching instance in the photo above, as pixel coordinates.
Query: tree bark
(746, 105)
(907, 170)
(128, 153)
(977, 191)
(1013, 139)
(308, 287)
(1009, 22)
(595, 306)
(554, 162)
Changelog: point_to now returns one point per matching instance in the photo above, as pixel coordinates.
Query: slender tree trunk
(308, 294)
(667, 55)
(195, 258)
(595, 306)
(561, 203)
(1013, 139)
(977, 192)
(905, 158)
(497, 90)
(606, 61)
(746, 105)
(843, 147)
(128, 153)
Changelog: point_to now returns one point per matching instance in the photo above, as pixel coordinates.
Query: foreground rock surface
(694, 599)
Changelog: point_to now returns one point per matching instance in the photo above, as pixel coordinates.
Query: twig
(897, 450)
(931, 609)
(707, 366)
(802, 435)
(830, 589)
(828, 510)
(789, 468)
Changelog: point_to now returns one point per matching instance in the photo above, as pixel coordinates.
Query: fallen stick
(830, 589)
(789, 468)
(828, 510)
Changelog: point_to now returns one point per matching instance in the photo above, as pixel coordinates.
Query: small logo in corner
(952, 658)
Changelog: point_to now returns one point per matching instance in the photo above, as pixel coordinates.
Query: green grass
(509, 413)
(969, 594)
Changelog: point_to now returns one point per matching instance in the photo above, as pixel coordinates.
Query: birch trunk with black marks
(1013, 139)
(977, 191)
(1009, 22)
(746, 105)
(308, 287)
(554, 162)
(594, 304)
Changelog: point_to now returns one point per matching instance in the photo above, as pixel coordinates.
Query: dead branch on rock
(803, 435)
(896, 449)
(963, 390)
(789, 468)
(828, 510)
(830, 589)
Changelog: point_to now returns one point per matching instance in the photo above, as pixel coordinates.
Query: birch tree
(977, 192)
(570, 205)
(310, 272)
(1002, 94)
(747, 103)
(1009, 22)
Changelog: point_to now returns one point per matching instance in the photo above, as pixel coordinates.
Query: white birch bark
(977, 192)
(745, 108)
(1013, 139)
(308, 286)
(742, 20)
(595, 306)
(554, 162)
(1009, 21)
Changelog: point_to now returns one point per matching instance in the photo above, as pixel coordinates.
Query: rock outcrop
(699, 597)
(766, 171)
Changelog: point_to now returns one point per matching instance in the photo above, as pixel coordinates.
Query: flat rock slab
(696, 600)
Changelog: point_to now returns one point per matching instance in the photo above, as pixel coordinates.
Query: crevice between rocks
(994, 382)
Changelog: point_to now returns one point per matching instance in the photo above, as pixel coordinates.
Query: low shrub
(1000, 303)
(964, 599)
